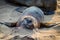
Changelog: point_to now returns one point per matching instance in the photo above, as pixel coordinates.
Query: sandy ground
(9, 14)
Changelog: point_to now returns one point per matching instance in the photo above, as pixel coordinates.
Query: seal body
(31, 17)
